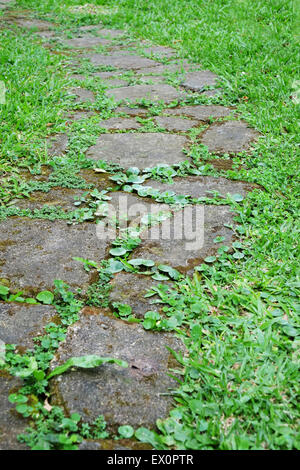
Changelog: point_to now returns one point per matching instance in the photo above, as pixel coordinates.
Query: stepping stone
(11, 423)
(46, 34)
(87, 42)
(115, 82)
(165, 69)
(119, 123)
(132, 111)
(140, 150)
(82, 95)
(107, 74)
(34, 24)
(113, 33)
(131, 289)
(78, 76)
(77, 115)
(175, 124)
(121, 61)
(196, 81)
(159, 51)
(202, 186)
(111, 444)
(132, 395)
(215, 92)
(201, 112)
(57, 145)
(50, 247)
(186, 239)
(152, 79)
(57, 197)
(229, 137)
(20, 322)
(155, 93)
(5, 4)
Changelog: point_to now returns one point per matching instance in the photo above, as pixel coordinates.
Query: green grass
(239, 386)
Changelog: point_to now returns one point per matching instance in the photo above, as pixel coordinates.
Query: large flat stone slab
(34, 24)
(82, 94)
(87, 42)
(160, 51)
(124, 396)
(201, 112)
(229, 137)
(119, 123)
(121, 61)
(34, 252)
(11, 424)
(175, 124)
(131, 289)
(202, 186)
(155, 93)
(197, 81)
(140, 150)
(187, 238)
(21, 322)
(131, 210)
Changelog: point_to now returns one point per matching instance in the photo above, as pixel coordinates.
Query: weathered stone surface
(82, 94)
(175, 124)
(111, 444)
(165, 69)
(229, 137)
(165, 93)
(113, 33)
(161, 51)
(140, 150)
(119, 123)
(123, 395)
(33, 24)
(187, 238)
(87, 42)
(131, 289)
(99, 180)
(196, 81)
(77, 115)
(20, 322)
(214, 92)
(122, 61)
(58, 197)
(57, 145)
(201, 112)
(5, 3)
(34, 252)
(132, 111)
(11, 424)
(115, 82)
(78, 76)
(202, 186)
(113, 73)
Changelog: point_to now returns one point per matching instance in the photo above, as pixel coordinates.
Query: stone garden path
(136, 78)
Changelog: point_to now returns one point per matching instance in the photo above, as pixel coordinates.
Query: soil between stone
(20, 323)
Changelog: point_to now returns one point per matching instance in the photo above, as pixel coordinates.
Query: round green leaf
(126, 431)
(117, 251)
(46, 297)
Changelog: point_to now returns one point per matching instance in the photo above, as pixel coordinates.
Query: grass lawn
(239, 383)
